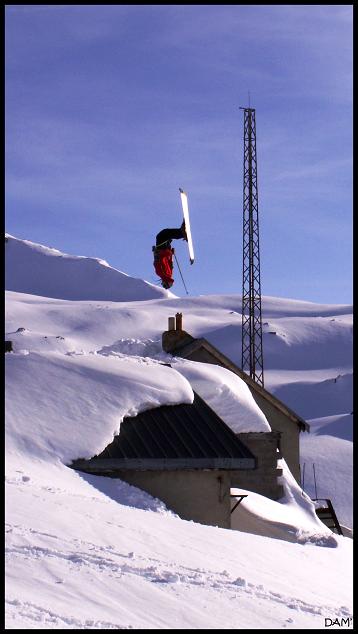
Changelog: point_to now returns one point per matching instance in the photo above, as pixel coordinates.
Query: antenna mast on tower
(252, 357)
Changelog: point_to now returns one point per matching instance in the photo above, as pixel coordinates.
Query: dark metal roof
(188, 436)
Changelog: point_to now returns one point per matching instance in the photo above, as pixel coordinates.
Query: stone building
(286, 425)
(182, 454)
(187, 456)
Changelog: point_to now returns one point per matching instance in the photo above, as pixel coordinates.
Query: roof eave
(98, 465)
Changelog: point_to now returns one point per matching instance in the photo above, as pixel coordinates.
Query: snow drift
(39, 270)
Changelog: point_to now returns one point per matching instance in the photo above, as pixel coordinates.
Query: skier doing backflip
(163, 253)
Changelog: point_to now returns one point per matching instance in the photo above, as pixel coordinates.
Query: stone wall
(290, 434)
(263, 479)
(199, 495)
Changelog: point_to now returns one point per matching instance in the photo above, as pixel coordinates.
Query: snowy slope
(134, 328)
(89, 552)
(40, 270)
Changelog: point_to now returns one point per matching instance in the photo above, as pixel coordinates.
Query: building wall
(263, 479)
(290, 435)
(199, 495)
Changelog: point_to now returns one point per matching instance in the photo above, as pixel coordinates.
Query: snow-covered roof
(184, 436)
(226, 393)
(188, 350)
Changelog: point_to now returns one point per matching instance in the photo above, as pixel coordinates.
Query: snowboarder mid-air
(163, 253)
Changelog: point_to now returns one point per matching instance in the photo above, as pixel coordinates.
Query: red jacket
(163, 264)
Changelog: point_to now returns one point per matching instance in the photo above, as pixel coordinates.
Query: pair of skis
(185, 207)
(189, 239)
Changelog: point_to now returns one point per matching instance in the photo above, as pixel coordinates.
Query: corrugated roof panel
(186, 431)
(171, 423)
(191, 427)
(209, 433)
(224, 435)
(146, 435)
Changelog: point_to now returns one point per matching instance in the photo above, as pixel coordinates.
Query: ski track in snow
(42, 618)
(107, 560)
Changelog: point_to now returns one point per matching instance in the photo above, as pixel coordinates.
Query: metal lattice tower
(252, 357)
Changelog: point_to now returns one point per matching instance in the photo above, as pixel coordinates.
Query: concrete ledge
(163, 464)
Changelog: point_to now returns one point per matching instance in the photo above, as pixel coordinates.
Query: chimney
(175, 337)
(179, 321)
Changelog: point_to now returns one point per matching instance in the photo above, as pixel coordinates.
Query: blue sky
(110, 109)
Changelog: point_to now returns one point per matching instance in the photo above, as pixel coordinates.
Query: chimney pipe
(179, 321)
(171, 323)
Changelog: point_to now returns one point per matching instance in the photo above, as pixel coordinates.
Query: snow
(226, 394)
(77, 402)
(88, 552)
(292, 518)
(327, 461)
(40, 270)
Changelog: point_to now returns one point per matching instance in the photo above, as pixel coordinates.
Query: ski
(184, 202)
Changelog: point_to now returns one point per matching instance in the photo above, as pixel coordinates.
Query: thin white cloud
(322, 169)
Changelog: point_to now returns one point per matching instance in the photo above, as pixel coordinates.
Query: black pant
(167, 235)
